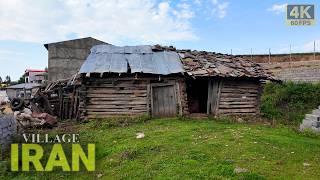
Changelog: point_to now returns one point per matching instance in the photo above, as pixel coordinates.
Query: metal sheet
(141, 59)
(24, 86)
(118, 63)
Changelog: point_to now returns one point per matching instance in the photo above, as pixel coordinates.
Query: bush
(289, 102)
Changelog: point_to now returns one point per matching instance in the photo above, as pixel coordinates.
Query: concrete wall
(302, 71)
(8, 128)
(65, 58)
(302, 67)
(264, 58)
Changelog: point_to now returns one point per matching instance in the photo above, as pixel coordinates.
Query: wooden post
(148, 99)
(314, 50)
(216, 110)
(290, 58)
(60, 102)
(151, 96)
(179, 98)
(269, 56)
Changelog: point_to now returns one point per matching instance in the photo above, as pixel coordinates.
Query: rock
(140, 135)
(306, 164)
(240, 120)
(238, 170)
(311, 122)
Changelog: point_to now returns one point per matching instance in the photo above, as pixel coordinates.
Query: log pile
(64, 98)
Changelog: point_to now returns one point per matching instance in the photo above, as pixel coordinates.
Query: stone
(240, 120)
(311, 122)
(238, 170)
(140, 135)
(306, 164)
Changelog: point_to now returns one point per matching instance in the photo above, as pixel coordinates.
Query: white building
(35, 76)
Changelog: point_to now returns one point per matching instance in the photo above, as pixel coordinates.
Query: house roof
(134, 59)
(24, 86)
(35, 70)
(168, 60)
(203, 63)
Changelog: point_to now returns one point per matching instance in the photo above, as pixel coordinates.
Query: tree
(1, 80)
(22, 79)
(8, 80)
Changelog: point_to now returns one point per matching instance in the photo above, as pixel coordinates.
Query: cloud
(220, 8)
(143, 21)
(278, 8)
(4, 52)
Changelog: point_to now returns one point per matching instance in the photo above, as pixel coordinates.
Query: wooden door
(213, 96)
(164, 102)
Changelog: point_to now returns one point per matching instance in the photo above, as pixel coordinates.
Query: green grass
(193, 149)
(288, 102)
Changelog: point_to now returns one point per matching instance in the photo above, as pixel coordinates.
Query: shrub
(289, 102)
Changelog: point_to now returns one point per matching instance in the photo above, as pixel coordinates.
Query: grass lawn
(194, 149)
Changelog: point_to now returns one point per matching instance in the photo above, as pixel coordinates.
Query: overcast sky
(214, 25)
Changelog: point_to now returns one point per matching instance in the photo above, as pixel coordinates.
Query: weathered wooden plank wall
(105, 97)
(121, 97)
(239, 97)
(129, 96)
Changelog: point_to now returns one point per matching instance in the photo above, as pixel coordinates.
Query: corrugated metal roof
(24, 86)
(109, 58)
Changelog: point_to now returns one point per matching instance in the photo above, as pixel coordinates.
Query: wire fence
(289, 54)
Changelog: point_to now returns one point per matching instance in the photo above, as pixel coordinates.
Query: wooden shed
(165, 82)
(220, 84)
(132, 80)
